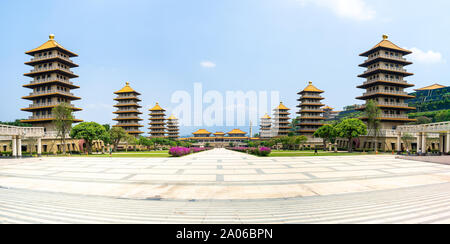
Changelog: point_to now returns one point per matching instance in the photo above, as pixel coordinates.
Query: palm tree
(373, 113)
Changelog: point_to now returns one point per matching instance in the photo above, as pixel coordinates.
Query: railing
(435, 127)
(41, 117)
(386, 92)
(385, 68)
(394, 116)
(386, 79)
(50, 68)
(50, 91)
(50, 79)
(6, 130)
(386, 56)
(393, 104)
(51, 56)
(36, 105)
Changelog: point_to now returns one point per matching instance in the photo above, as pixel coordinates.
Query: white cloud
(208, 64)
(426, 57)
(349, 9)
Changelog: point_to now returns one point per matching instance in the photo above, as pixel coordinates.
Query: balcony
(51, 91)
(400, 81)
(49, 80)
(398, 58)
(388, 92)
(50, 57)
(42, 117)
(35, 70)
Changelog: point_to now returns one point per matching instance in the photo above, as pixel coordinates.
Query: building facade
(281, 121)
(157, 122)
(173, 131)
(50, 84)
(311, 112)
(235, 138)
(128, 110)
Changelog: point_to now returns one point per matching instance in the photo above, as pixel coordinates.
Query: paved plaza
(221, 186)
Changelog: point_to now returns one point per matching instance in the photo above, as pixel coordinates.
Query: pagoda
(157, 122)
(172, 128)
(51, 83)
(385, 82)
(265, 127)
(128, 110)
(281, 124)
(311, 112)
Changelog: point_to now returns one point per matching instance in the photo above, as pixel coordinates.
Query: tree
(63, 122)
(327, 133)
(300, 140)
(373, 114)
(116, 134)
(443, 115)
(407, 139)
(351, 128)
(423, 120)
(89, 132)
(132, 140)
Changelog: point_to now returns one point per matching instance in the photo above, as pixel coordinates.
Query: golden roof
(266, 117)
(126, 89)
(282, 107)
(50, 44)
(312, 88)
(157, 108)
(219, 133)
(385, 43)
(432, 87)
(236, 132)
(202, 132)
(328, 107)
(172, 117)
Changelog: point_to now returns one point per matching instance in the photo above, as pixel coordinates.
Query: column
(399, 142)
(39, 147)
(447, 144)
(441, 143)
(419, 141)
(14, 146)
(19, 146)
(424, 142)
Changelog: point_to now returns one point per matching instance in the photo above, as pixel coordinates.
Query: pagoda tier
(157, 122)
(281, 124)
(51, 83)
(172, 128)
(128, 110)
(311, 112)
(385, 82)
(265, 130)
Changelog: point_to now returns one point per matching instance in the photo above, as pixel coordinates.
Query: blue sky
(161, 46)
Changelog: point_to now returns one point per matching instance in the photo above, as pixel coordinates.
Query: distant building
(128, 110)
(157, 122)
(172, 128)
(281, 124)
(431, 98)
(329, 113)
(265, 131)
(235, 137)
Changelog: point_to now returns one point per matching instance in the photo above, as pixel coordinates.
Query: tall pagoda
(128, 110)
(281, 124)
(385, 82)
(311, 112)
(157, 122)
(265, 130)
(51, 83)
(172, 128)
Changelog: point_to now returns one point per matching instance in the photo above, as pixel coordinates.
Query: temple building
(265, 131)
(50, 83)
(329, 113)
(172, 128)
(128, 110)
(311, 112)
(385, 82)
(157, 122)
(235, 137)
(281, 124)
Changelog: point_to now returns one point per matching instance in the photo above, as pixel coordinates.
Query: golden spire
(127, 83)
(52, 37)
(385, 37)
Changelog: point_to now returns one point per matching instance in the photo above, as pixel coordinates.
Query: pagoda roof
(219, 133)
(236, 132)
(328, 107)
(172, 117)
(385, 43)
(202, 132)
(432, 87)
(51, 44)
(157, 108)
(266, 117)
(311, 88)
(282, 107)
(126, 89)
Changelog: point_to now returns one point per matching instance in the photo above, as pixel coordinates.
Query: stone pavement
(219, 175)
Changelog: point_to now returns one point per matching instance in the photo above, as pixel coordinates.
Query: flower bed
(183, 151)
(261, 151)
